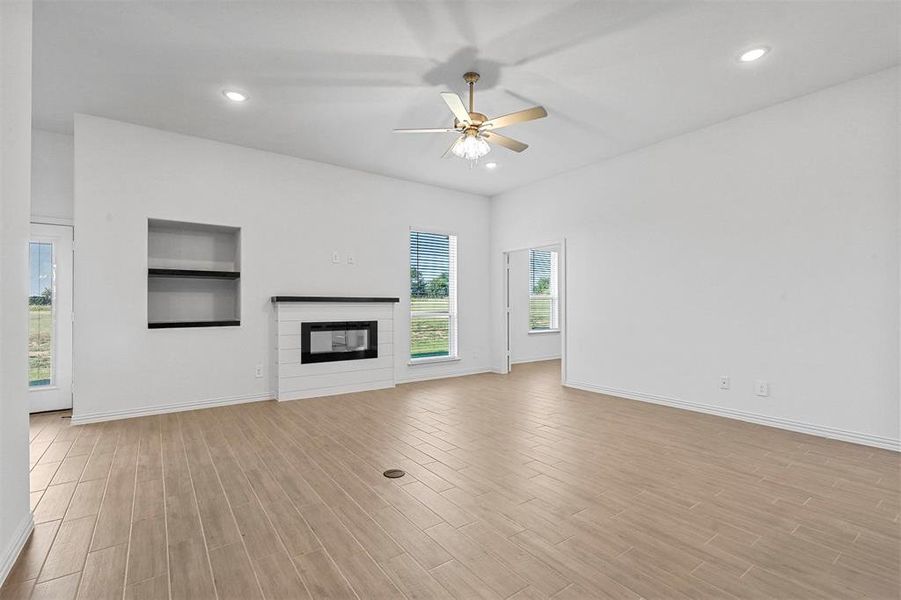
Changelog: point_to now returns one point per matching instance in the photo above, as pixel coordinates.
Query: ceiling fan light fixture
(471, 146)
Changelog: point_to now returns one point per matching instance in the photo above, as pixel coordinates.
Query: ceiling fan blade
(502, 140)
(456, 106)
(436, 130)
(530, 114)
(448, 153)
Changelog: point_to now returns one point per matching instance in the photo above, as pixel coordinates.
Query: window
(433, 296)
(543, 299)
(40, 314)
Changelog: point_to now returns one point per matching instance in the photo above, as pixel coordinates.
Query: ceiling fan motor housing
(476, 119)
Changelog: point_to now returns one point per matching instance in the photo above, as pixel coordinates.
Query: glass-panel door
(50, 318)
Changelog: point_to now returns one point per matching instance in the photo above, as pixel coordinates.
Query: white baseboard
(337, 390)
(531, 360)
(11, 553)
(731, 413)
(447, 375)
(80, 418)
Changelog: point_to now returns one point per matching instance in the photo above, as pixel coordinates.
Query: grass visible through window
(539, 313)
(429, 335)
(39, 344)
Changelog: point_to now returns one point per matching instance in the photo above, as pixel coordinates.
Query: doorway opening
(534, 320)
(50, 318)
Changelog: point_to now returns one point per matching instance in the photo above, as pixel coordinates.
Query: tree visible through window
(433, 297)
(543, 300)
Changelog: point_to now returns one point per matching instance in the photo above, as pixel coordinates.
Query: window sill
(430, 361)
(540, 331)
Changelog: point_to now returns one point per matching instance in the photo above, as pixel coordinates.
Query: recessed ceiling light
(234, 95)
(491, 166)
(753, 54)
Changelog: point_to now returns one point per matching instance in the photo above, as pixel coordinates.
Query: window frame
(453, 285)
(553, 296)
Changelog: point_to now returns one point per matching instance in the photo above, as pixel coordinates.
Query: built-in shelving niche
(193, 275)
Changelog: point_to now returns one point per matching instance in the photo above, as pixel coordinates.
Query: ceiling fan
(476, 130)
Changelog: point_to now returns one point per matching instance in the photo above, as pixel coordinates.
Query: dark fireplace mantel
(276, 299)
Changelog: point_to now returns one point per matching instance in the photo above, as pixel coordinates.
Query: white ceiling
(328, 81)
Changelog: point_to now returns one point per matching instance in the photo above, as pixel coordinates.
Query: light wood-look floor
(515, 488)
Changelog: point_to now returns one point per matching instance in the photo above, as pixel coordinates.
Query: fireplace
(338, 340)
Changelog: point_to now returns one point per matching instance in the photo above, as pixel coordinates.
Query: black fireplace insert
(338, 340)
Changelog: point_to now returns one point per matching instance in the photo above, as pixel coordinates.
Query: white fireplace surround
(296, 380)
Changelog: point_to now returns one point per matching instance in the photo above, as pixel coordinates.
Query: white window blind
(543, 298)
(433, 296)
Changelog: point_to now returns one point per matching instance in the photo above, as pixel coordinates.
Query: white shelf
(192, 248)
(197, 246)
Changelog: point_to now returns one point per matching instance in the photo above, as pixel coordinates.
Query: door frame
(57, 232)
(562, 302)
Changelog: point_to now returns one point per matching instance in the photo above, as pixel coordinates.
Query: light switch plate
(336, 257)
(761, 387)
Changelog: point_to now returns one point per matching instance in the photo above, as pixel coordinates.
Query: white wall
(51, 176)
(525, 346)
(15, 159)
(293, 214)
(764, 247)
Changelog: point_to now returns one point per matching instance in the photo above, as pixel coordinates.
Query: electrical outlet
(258, 372)
(336, 257)
(761, 387)
(724, 382)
